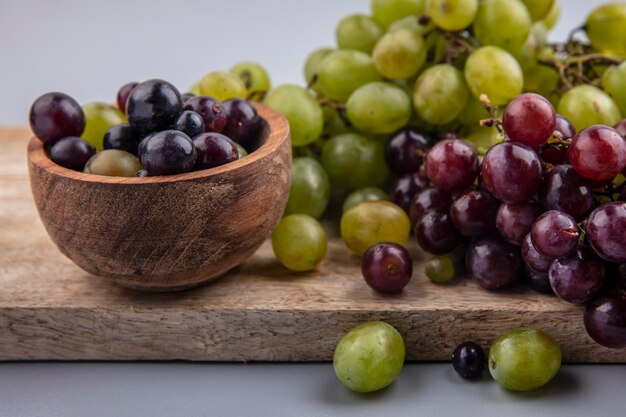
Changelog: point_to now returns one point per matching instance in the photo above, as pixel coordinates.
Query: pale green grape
(606, 28)
(222, 86)
(195, 89)
(483, 138)
(242, 150)
(343, 71)
(385, 12)
(253, 75)
(586, 105)
(524, 359)
(440, 269)
(303, 112)
(440, 94)
(493, 71)
(411, 23)
(299, 242)
(399, 54)
(355, 161)
(379, 107)
(369, 357)
(358, 31)
(99, 117)
(113, 163)
(553, 15)
(310, 188)
(372, 222)
(541, 79)
(363, 194)
(539, 9)
(452, 15)
(614, 83)
(534, 45)
(334, 123)
(502, 23)
(311, 66)
(472, 113)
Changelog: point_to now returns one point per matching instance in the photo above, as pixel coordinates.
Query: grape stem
(493, 116)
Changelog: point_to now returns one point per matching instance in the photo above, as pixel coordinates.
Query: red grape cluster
(546, 203)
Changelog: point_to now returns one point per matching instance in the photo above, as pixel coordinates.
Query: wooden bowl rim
(278, 132)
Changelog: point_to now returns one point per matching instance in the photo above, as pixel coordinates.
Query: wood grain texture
(51, 309)
(169, 232)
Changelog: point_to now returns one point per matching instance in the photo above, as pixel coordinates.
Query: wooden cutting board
(51, 309)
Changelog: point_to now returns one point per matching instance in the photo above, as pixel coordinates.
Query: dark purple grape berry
(121, 137)
(555, 234)
(212, 111)
(474, 213)
(406, 150)
(452, 165)
(578, 277)
(426, 200)
(243, 124)
(123, 94)
(529, 119)
(186, 96)
(494, 263)
(153, 106)
(534, 260)
(54, 116)
(168, 152)
(387, 267)
(515, 220)
(214, 149)
(563, 189)
(142, 173)
(190, 123)
(605, 319)
(538, 282)
(72, 152)
(436, 233)
(468, 360)
(606, 231)
(404, 188)
(564, 127)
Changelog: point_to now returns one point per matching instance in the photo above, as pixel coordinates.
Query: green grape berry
(310, 188)
(541, 79)
(372, 222)
(99, 117)
(303, 112)
(359, 32)
(385, 12)
(614, 83)
(369, 357)
(472, 113)
(113, 163)
(524, 359)
(586, 105)
(553, 15)
(364, 194)
(440, 94)
(299, 242)
(411, 23)
(254, 77)
(502, 23)
(399, 54)
(343, 71)
(311, 66)
(539, 9)
(195, 89)
(222, 86)
(493, 71)
(440, 269)
(378, 108)
(452, 15)
(606, 28)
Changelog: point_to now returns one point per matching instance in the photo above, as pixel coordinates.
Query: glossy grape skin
(614, 83)
(524, 359)
(153, 106)
(399, 54)
(303, 112)
(555, 234)
(387, 267)
(190, 123)
(494, 263)
(436, 233)
(369, 357)
(539, 9)
(311, 66)
(359, 32)
(426, 200)
(598, 153)
(511, 172)
(587, 105)
(493, 71)
(222, 86)
(113, 163)
(564, 127)
(563, 189)
(310, 188)
(123, 93)
(605, 319)
(515, 220)
(100, 117)
(606, 28)
(469, 360)
(529, 119)
(299, 242)
(211, 110)
(474, 213)
(553, 15)
(121, 137)
(502, 23)
(535, 261)
(452, 15)
(342, 71)
(385, 12)
(363, 194)
(243, 124)
(212, 150)
(354, 161)
(452, 165)
(54, 116)
(378, 108)
(72, 152)
(605, 231)
(440, 94)
(406, 150)
(440, 269)
(168, 152)
(578, 277)
(371, 222)
(254, 77)
(405, 187)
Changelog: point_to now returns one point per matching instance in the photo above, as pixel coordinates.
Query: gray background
(88, 49)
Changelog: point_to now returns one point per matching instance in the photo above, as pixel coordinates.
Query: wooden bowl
(169, 232)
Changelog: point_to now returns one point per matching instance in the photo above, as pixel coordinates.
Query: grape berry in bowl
(160, 232)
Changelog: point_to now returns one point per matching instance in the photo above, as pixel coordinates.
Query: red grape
(605, 319)
(122, 137)
(404, 188)
(474, 213)
(212, 111)
(564, 127)
(598, 153)
(534, 260)
(563, 189)
(153, 106)
(494, 263)
(190, 123)
(425, 200)
(555, 234)
(72, 152)
(436, 233)
(167, 152)
(123, 94)
(214, 149)
(578, 277)
(621, 127)
(538, 282)
(406, 150)
(606, 231)
(54, 116)
(515, 220)
(243, 123)
(387, 267)
(529, 119)
(452, 165)
(468, 360)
